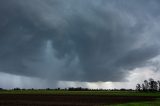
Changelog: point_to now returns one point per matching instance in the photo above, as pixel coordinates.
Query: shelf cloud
(78, 40)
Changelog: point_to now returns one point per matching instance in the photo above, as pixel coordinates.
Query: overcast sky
(88, 43)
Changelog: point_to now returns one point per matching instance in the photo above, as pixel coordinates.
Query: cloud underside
(78, 40)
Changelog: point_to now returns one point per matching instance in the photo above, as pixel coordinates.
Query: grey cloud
(78, 40)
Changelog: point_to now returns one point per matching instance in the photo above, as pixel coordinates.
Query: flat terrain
(71, 98)
(74, 100)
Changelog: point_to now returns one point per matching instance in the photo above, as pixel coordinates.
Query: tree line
(149, 85)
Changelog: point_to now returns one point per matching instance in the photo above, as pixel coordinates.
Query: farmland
(75, 98)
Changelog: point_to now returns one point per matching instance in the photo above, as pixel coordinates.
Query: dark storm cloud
(82, 40)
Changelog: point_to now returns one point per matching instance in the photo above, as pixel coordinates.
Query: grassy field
(64, 92)
(146, 103)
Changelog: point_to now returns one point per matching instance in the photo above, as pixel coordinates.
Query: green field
(63, 92)
(148, 103)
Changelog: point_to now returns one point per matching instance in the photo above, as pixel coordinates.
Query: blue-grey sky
(78, 40)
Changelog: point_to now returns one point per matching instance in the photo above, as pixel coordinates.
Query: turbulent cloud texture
(78, 40)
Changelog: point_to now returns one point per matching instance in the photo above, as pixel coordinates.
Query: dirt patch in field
(54, 100)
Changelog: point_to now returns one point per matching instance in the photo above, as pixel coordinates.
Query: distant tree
(16, 89)
(143, 87)
(48, 89)
(158, 82)
(23, 89)
(138, 87)
(150, 85)
(146, 85)
(122, 89)
(153, 85)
